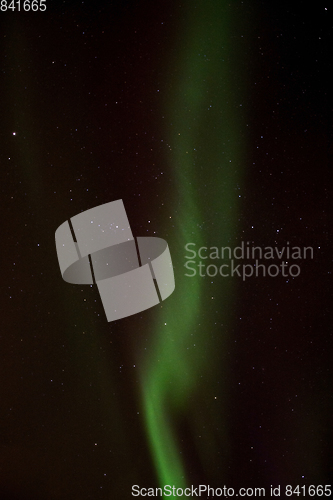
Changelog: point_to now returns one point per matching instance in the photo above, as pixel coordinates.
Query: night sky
(212, 121)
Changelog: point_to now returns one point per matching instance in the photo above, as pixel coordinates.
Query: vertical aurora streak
(206, 159)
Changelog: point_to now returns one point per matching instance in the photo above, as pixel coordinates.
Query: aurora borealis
(212, 121)
(198, 104)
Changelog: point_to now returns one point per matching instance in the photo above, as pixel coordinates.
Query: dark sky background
(103, 101)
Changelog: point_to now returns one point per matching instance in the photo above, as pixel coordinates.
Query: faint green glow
(206, 158)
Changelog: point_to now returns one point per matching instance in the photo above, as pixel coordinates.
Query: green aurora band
(206, 158)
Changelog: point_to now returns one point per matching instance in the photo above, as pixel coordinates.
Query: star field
(213, 123)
